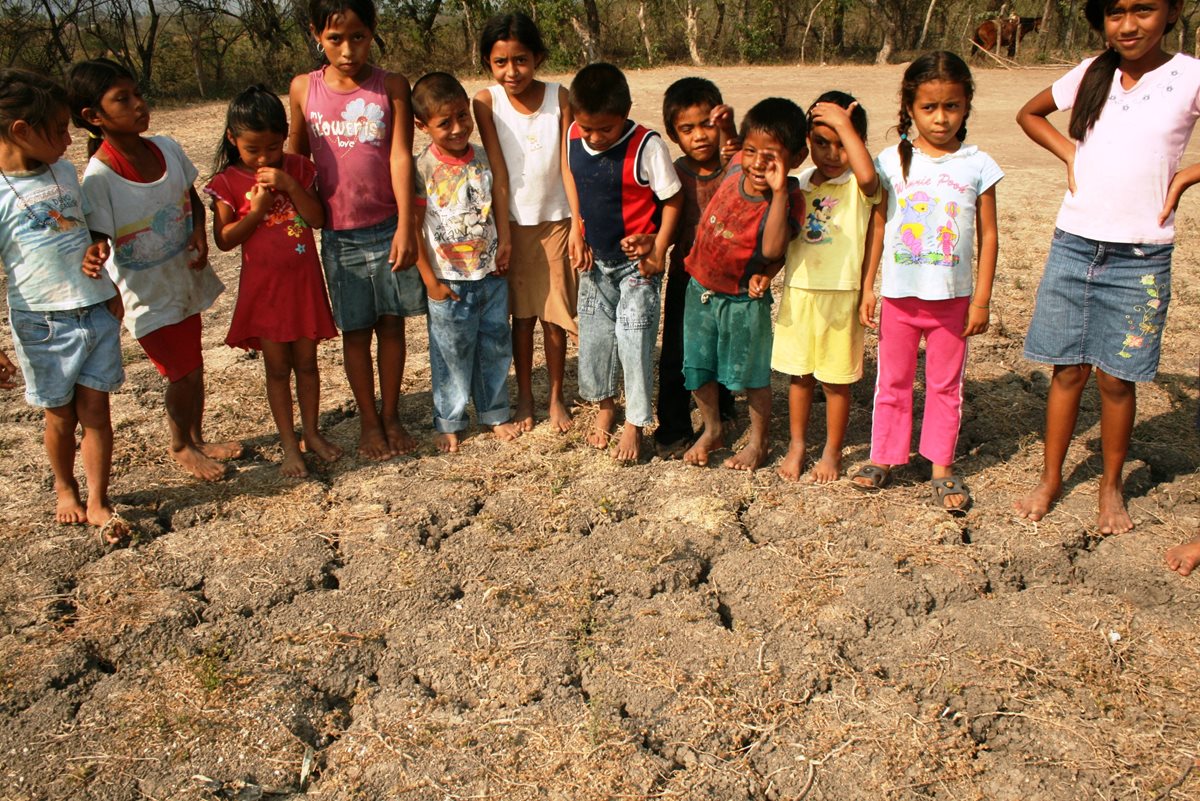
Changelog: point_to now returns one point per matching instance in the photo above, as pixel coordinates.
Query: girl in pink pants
(937, 193)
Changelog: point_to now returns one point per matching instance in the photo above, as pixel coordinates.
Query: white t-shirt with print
(929, 239)
(1125, 164)
(149, 225)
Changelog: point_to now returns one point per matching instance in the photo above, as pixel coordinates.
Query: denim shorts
(57, 350)
(726, 338)
(362, 285)
(1103, 304)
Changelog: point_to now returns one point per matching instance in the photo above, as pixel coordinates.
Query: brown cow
(1011, 31)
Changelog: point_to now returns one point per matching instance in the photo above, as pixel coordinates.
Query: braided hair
(940, 65)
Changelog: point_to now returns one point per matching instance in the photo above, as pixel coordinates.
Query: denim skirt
(1103, 304)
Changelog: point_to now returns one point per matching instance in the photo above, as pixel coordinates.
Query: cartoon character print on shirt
(928, 231)
(462, 199)
(361, 123)
(151, 241)
(817, 224)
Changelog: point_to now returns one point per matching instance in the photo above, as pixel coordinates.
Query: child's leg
(184, 399)
(522, 358)
(308, 395)
(360, 372)
(1118, 407)
(712, 437)
(390, 341)
(945, 364)
(554, 342)
(637, 313)
(493, 355)
(754, 452)
(891, 420)
(1062, 410)
(230, 449)
(453, 335)
(598, 298)
(277, 363)
(92, 411)
(800, 397)
(674, 401)
(1183, 559)
(837, 419)
(60, 448)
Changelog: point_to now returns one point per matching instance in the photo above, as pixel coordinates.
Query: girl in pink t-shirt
(1103, 297)
(265, 201)
(355, 120)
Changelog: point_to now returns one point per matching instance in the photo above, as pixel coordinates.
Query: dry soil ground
(531, 620)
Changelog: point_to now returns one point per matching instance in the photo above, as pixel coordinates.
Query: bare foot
(602, 427)
(793, 462)
(68, 508)
(447, 442)
(1114, 518)
(373, 444)
(293, 463)
(398, 438)
(705, 444)
(316, 443)
(1039, 501)
(221, 450)
(828, 470)
(113, 529)
(750, 457)
(523, 416)
(560, 415)
(193, 460)
(1183, 559)
(507, 432)
(629, 446)
(99, 512)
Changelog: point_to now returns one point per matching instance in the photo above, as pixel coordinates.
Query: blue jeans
(58, 350)
(362, 285)
(618, 321)
(470, 350)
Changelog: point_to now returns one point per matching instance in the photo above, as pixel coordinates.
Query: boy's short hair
(433, 92)
(600, 89)
(685, 93)
(780, 118)
(858, 115)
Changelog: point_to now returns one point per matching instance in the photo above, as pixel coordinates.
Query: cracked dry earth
(532, 621)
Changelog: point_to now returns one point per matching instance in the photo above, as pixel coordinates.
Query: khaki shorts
(541, 282)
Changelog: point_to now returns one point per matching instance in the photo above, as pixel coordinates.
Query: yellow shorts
(818, 334)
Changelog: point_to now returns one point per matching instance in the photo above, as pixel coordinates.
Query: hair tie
(93, 135)
(903, 137)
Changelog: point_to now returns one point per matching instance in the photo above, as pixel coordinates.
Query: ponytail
(905, 147)
(1093, 93)
(87, 83)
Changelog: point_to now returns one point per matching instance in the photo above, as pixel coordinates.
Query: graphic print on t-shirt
(361, 122)
(47, 211)
(928, 227)
(818, 223)
(150, 241)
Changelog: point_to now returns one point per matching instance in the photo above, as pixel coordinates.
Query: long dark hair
(256, 109)
(321, 12)
(87, 83)
(1097, 80)
(31, 97)
(940, 65)
(509, 27)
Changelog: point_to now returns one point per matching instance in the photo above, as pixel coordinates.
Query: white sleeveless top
(530, 143)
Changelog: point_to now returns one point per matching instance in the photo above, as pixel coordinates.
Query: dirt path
(532, 621)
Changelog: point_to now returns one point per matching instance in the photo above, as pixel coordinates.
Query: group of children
(570, 214)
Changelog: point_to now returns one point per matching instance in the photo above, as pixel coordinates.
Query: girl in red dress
(265, 200)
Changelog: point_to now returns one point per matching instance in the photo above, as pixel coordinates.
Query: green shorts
(726, 338)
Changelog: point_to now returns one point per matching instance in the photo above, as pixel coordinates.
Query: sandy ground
(533, 621)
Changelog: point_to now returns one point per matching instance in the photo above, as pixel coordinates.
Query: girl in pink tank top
(355, 120)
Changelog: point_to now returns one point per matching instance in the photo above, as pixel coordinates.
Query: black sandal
(950, 485)
(879, 477)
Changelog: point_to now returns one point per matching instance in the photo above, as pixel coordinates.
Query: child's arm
(1180, 183)
(728, 142)
(482, 106)
(403, 252)
(861, 163)
(307, 204)
(577, 250)
(656, 262)
(777, 230)
(1032, 119)
(96, 256)
(8, 372)
(871, 259)
(198, 241)
(435, 289)
(297, 129)
(228, 230)
(989, 247)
